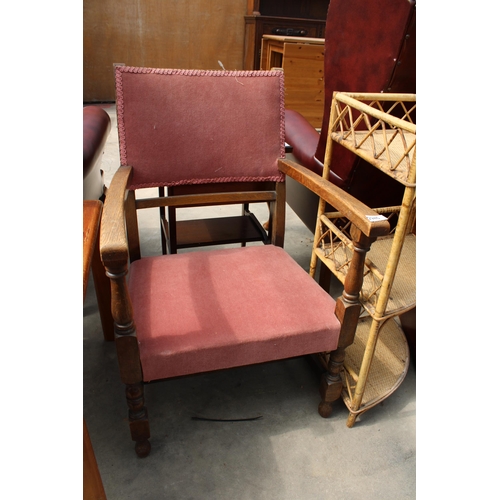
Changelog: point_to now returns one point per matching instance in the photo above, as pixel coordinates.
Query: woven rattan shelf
(381, 129)
(388, 369)
(380, 137)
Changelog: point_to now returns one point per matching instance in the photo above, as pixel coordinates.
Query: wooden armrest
(364, 218)
(114, 246)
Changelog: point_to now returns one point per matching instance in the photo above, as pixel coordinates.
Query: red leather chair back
(370, 47)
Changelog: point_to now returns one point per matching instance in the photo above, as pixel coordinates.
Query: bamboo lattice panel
(378, 128)
(388, 369)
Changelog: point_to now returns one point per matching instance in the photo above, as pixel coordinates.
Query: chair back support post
(278, 215)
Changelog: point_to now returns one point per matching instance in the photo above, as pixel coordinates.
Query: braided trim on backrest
(119, 114)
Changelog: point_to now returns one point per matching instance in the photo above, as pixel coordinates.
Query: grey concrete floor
(289, 453)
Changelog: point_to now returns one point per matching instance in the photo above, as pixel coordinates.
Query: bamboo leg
(322, 203)
(364, 371)
(405, 220)
(317, 234)
(351, 420)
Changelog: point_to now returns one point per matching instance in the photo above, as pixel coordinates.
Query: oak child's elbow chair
(214, 309)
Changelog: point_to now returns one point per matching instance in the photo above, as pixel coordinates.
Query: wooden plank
(158, 34)
(207, 199)
(295, 39)
(303, 65)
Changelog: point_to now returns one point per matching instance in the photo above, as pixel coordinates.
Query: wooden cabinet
(282, 18)
(302, 60)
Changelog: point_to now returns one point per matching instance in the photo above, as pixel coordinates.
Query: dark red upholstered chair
(215, 309)
(369, 47)
(96, 128)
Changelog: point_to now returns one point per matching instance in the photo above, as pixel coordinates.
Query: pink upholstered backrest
(193, 126)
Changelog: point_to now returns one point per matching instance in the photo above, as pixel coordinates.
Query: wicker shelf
(387, 141)
(381, 129)
(388, 368)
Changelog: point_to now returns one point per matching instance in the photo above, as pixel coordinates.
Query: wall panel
(158, 33)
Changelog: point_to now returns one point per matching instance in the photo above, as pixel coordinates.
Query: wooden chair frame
(237, 159)
(120, 244)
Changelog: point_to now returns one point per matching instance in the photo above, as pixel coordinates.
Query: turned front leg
(127, 349)
(138, 418)
(347, 310)
(331, 383)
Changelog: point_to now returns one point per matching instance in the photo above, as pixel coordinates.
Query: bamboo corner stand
(381, 129)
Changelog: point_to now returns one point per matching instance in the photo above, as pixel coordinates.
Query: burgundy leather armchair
(369, 47)
(96, 128)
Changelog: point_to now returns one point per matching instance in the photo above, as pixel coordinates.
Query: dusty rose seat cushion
(204, 311)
